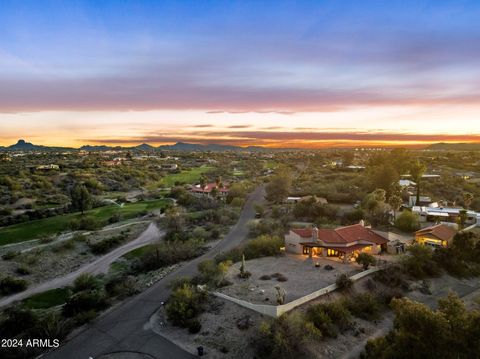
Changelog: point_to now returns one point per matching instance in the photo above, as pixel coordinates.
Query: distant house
(209, 187)
(169, 166)
(344, 243)
(439, 235)
(405, 183)
(424, 201)
(292, 199)
(47, 167)
(444, 214)
(112, 163)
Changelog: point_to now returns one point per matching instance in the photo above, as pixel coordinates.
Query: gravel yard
(302, 277)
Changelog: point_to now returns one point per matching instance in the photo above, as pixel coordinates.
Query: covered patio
(344, 253)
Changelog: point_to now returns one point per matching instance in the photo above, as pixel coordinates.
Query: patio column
(310, 252)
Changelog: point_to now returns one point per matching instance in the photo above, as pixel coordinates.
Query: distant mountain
(454, 147)
(21, 145)
(144, 147)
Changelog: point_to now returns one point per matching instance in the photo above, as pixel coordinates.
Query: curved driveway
(125, 328)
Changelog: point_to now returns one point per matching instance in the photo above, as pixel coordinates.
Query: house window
(305, 250)
(332, 253)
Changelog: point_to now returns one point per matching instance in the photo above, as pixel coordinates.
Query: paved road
(125, 328)
(100, 265)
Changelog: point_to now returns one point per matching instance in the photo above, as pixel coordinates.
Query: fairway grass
(185, 177)
(34, 229)
(47, 299)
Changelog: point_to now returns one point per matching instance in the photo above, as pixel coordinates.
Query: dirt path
(100, 265)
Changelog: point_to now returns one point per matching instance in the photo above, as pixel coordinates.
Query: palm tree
(467, 199)
(417, 170)
(395, 202)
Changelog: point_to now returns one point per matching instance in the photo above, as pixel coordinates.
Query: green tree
(384, 176)
(279, 187)
(417, 170)
(184, 304)
(365, 260)
(395, 202)
(467, 199)
(81, 198)
(286, 337)
(462, 218)
(407, 221)
(420, 332)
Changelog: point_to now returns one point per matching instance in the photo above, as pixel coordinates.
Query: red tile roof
(303, 232)
(208, 188)
(440, 231)
(344, 235)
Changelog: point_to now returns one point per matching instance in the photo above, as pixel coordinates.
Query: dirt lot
(301, 274)
(220, 335)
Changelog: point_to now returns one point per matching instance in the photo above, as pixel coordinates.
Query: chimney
(314, 234)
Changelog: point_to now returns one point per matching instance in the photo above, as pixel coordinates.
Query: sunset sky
(272, 73)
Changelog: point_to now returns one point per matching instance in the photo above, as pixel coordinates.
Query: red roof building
(439, 235)
(209, 188)
(344, 242)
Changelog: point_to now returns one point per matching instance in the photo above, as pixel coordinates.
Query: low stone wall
(276, 311)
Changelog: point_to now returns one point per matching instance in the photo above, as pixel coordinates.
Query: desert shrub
(322, 321)
(85, 223)
(85, 316)
(392, 276)
(407, 222)
(263, 246)
(330, 318)
(213, 273)
(45, 239)
(365, 306)
(63, 246)
(78, 237)
(104, 245)
(285, 337)
(343, 282)
(85, 282)
(168, 253)
(23, 270)
(419, 263)
(10, 285)
(237, 202)
(10, 255)
(194, 326)
(17, 320)
(85, 301)
(120, 286)
(235, 255)
(184, 304)
(279, 277)
(451, 331)
(114, 219)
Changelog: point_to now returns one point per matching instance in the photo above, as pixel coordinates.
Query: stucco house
(439, 235)
(208, 188)
(344, 243)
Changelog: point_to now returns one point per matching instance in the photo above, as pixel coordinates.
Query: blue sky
(364, 62)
